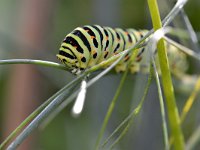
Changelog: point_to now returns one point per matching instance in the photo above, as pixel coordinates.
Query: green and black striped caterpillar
(91, 44)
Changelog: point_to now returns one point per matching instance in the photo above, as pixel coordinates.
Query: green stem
(35, 62)
(162, 108)
(174, 120)
(110, 110)
(133, 114)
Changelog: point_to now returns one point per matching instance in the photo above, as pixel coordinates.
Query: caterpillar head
(74, 51)
(67, 56)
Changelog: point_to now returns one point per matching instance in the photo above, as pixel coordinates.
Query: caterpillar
(91, 44)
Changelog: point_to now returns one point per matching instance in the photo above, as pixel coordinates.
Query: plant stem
(110, 110)
(162, 107)
(174, 120)
(134, 113)
(35, 62)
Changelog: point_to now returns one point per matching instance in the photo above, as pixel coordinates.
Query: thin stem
(162, 107)
(184, 49)
(190, 100)
(192, 34)
(110, 110)
(175, 10)
(130, 117)
(35, 62)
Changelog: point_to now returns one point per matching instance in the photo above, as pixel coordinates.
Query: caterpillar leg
(76, 71)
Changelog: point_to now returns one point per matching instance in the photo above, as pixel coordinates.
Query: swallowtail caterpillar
(89, 45)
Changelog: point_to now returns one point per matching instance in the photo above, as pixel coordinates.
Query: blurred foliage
(66, 132)
(192, 10)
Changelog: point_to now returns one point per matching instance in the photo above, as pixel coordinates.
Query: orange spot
(93, 52)
(92, 37)
(106, 37)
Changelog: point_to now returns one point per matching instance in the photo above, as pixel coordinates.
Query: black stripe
(133, 35)
(129, 38)
(105, 32)
(106, 55)
(100, 33)
(83, 38)
(95, 42)
(107, 43)
(65, 47)
(73, 42)
(117, 35)
(117, 47)
(123, 40)
(91, 33)
(140, 53)
(107, 35)
(111, 35)
(63, 53)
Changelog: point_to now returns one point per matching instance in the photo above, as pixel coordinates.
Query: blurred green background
(34, 29)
